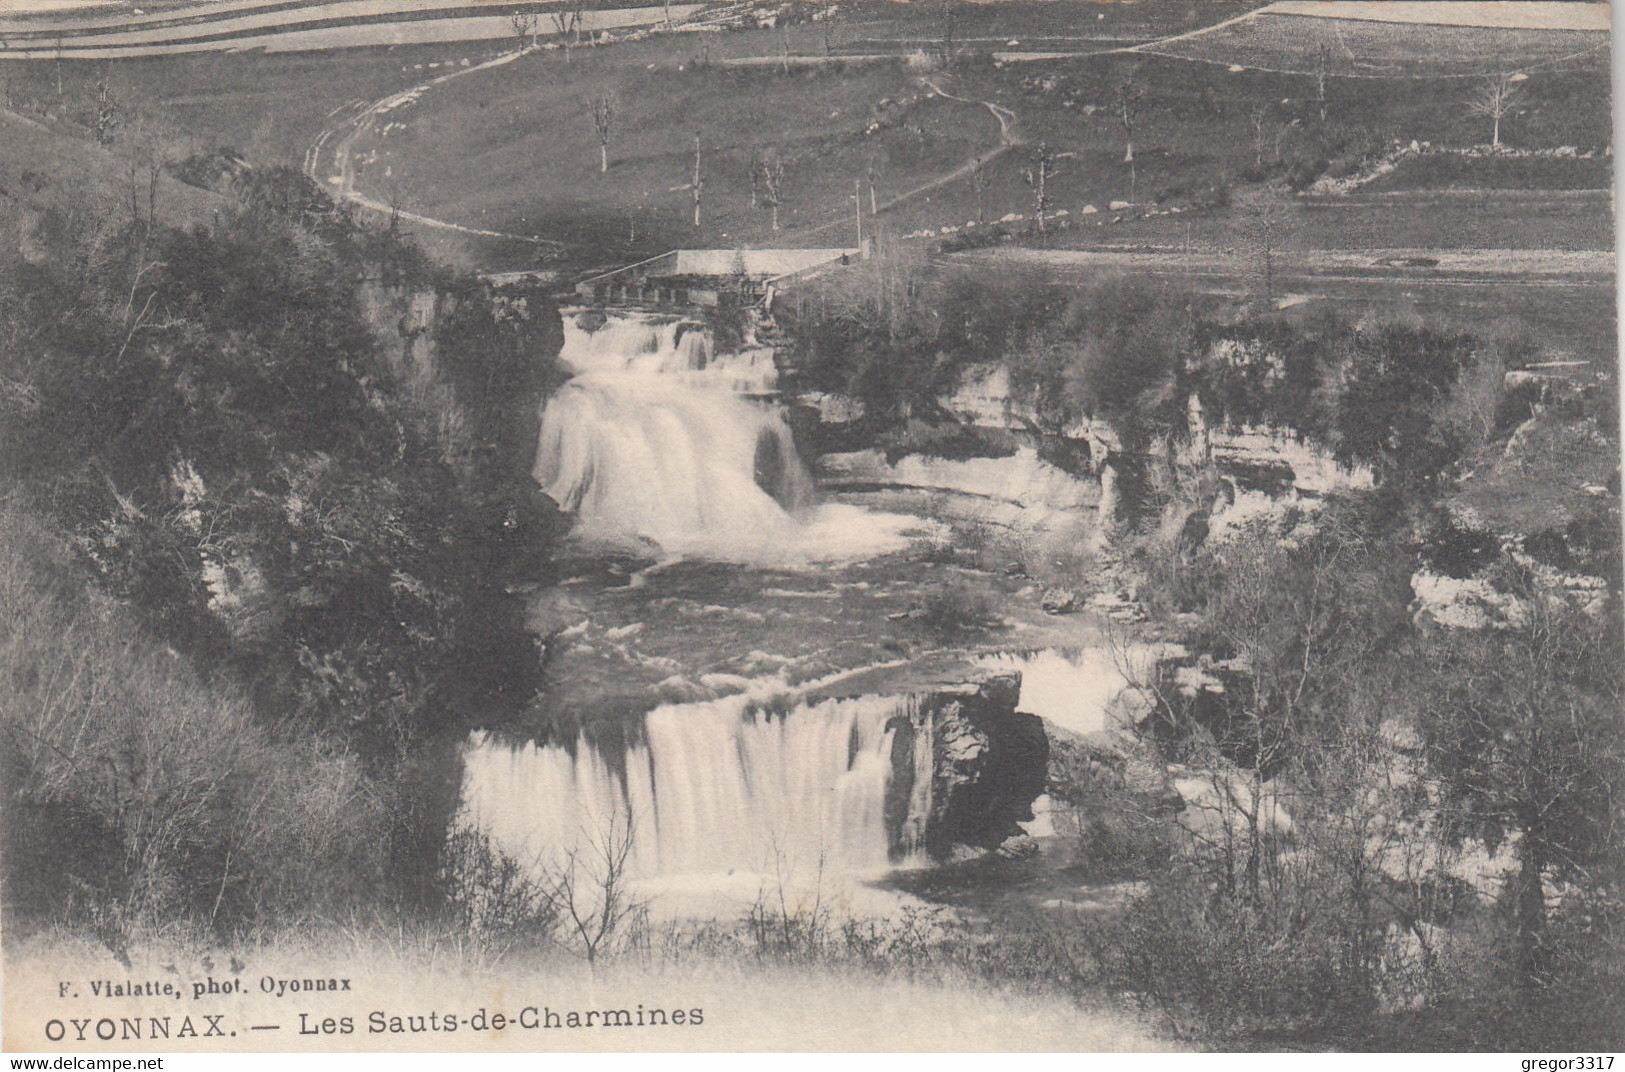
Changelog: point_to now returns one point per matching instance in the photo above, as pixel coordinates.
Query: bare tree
(1323, 64)
(603, 123)
(566, 20)
(980, 181)
(1266, 216)
(755, 166)
(1282, 129)
(697, 184)
(828, 28)
(591, 889)
(947, 25)
(1259, 116)
(1128, 114)
(1038, 176)
(773, 178)
(1497, 95)
(150, 146)
(107, 112)
(524, 24)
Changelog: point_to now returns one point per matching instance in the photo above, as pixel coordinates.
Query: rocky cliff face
(989, 764)
(483, 359)
(479, 362)
(986, 763)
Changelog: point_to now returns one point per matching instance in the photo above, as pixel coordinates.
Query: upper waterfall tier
(677, 349)
(653, 440)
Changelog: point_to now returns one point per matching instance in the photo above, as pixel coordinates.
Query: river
(740, 666)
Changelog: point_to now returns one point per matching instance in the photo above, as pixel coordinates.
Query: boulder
(1059, 601)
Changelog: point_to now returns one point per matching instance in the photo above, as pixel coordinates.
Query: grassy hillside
(45, 161)
(500, 149)
(516, 149)
(512, 149)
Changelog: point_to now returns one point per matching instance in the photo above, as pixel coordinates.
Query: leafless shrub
(493, 898)
(591, 886)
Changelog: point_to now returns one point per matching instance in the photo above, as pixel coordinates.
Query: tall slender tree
(1323, 67)
(603, 123)
(773, 167)
(1129, 96)
(1038, 175)
(697, 184)
(980, 182)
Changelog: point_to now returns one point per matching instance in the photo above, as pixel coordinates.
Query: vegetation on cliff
(1366, 824)
(216, 429)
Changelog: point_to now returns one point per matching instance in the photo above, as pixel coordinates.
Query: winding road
(336, 143)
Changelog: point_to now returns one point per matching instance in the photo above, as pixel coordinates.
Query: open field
(1524, 15)
(1458, 173)
(360, 24)
(238, 16)
(495, 149)
(1195, 131)
(1437, 219)
(1081, 25)
(268, 107)
(1566, 300)
(501, 149)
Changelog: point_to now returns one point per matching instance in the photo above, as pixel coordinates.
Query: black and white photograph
(811, 526)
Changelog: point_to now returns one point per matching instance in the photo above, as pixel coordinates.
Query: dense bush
(1115, 351)
(1456, 550)
(1391, 382)
(218, 427)
(895, 334)
(138, 794)
(215, 423)
(1406, 400)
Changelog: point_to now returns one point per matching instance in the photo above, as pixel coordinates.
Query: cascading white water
(717, 787)
(653, 439)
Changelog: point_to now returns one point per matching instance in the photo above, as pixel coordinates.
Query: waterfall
(717, 787)
(655, 439)
(690, 469)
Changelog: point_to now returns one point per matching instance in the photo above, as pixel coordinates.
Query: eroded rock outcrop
(989, 764)
(959, 729)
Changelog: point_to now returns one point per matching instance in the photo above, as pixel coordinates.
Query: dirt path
(1151, 46)
(1009, 139)
(337, 143)
(1410, 267)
